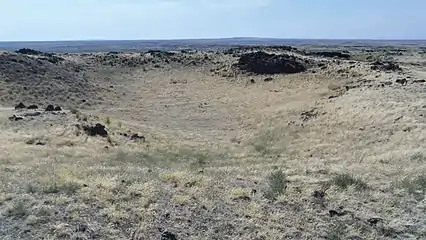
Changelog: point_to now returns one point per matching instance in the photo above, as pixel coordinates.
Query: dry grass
(222, 160)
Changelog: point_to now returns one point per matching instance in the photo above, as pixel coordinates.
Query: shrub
(343, 181)
(277, 184)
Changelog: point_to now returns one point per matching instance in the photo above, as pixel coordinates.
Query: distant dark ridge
(45, 56)
(199, 44)
(29, 51)
(238, 49)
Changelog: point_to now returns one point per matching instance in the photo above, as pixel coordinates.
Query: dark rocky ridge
(265, 63)
(330, 54)
(244, 49)
(42, 55)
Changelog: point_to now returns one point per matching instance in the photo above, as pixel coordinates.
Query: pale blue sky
(173, 19)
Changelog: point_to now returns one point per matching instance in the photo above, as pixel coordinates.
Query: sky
(50, 20)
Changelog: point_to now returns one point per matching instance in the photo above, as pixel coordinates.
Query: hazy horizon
(107, 20)
(224, 38)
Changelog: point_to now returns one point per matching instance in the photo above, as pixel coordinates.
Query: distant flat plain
(199, 44)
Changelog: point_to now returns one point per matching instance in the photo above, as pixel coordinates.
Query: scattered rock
(49, 108)
(419, 81)
(58, 108)
(385, 66)
(33, 106)
(407, 129)
(397, 119)
(374, 220)
(20, 106)
(137, 137)
(268, 79)
(95, 130)
(349, 87)
(321, 65)
(242, 198)
(15, 118)
(319, 194)
(36, 141)
(252, 81)
(337, 212)
(355, 238)
(307, 115)
(332, 96)
(190, 184)
(265, 63)
(401, 81)
(168, 236)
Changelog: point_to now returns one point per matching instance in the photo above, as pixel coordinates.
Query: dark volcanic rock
(319, 194)
(307, 115)
(337, 212)
(355, 237)
(168, 236)
(385, 66)
(401, 81)
(264, 63)
(58, 108)
(29, 51)
(50, 108)
(96, 130)
(123, 134)
(137, 137)
(374, 220)
(15, 118)
(44, 56)
(331, 54)
(33, 106)
(39, 142)
(20, 106)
